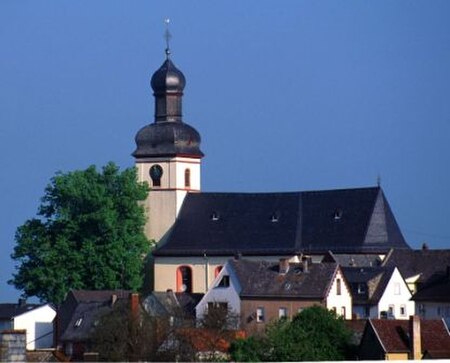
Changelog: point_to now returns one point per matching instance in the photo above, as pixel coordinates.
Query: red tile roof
(394, 335)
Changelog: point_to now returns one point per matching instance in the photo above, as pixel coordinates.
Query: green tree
(315, 334)
(122, 335)
(89, 235)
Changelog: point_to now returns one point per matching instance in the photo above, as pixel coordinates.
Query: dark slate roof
(436, 288)
(375, 280)
(263, 279)
(89, 305)
(99, 295)
(394, 335)
(89, 313)
(356, 260)
(9, 311)
(169, 303)
(343, 221)
(424, 262)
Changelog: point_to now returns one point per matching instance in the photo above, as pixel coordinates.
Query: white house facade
(38, 323)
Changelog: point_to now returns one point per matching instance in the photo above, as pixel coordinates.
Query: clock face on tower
(156, 173)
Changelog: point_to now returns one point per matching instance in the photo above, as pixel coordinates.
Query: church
(198, 232)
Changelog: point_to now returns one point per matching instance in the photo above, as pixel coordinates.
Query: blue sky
(287, 95)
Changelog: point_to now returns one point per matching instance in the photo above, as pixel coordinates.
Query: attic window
(78, 322)
(274, 218)
(337, 214)
(225, 282)
(361, 288)
(214, 216)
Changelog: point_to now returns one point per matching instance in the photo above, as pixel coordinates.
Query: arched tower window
(187, 178)
(156, 173)
(217, 270)
(184, 279)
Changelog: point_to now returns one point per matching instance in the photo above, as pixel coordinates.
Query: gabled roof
(375, 279)
(77, 321)
(435, 289)
(394, 335)
(169, 303)
(83, 320)
(10, 311)
(263, 279)
(414, 262)
(99, 295)
(258, 224)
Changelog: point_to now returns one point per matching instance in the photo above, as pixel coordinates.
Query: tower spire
(167, 36)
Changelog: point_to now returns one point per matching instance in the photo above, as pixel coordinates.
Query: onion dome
(168, 78)
(168, 135)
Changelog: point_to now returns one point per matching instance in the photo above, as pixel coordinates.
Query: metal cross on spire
(167, 36)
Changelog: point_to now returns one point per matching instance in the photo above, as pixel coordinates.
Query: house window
(282, 313)
(187, 178)
(218, 307)
(338, 287)
(391, 311)
(402, 310)
(260, 315)
(343, 311)
(217, 271)
(361, 288)
(397, 288)
(224, 282)
(184, 279)
(156, 173)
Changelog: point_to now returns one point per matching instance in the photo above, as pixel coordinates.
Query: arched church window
(187, 178)
(156, 173)
(184, 279)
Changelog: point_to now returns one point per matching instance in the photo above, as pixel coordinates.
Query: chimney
(283, 266)
(305, 265)
(22, 302)
(425, 246)
(415, 338)
(134, 303)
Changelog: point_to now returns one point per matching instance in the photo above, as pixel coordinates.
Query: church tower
(168, 152)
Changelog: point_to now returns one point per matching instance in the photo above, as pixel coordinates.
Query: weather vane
(167, 36)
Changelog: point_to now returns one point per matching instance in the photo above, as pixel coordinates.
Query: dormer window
(361, 288)
(337, 214)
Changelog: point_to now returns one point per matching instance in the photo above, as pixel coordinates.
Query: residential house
(404, 339)
(379, 292)
(35, 319)
(261, 291)
(176, 307)
(79, 314)
(418, 266)
(433, 297)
